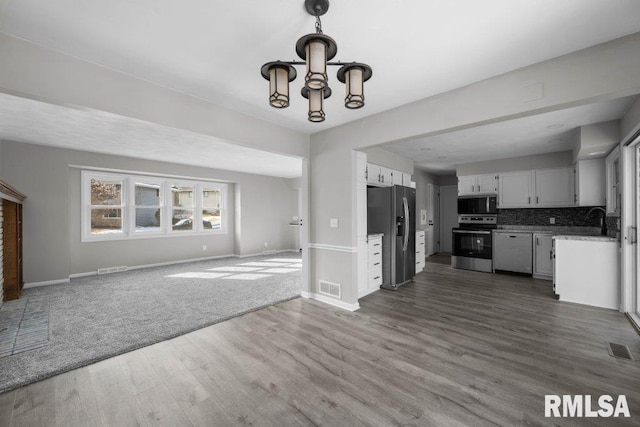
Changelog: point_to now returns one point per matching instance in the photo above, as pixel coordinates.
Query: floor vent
(331, 289)
(110, 270)
(619, 350)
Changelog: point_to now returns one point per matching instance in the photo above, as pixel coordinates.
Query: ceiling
(214, 49)
(25, 120)
(543, 133)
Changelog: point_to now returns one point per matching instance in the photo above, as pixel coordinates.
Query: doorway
(448, 216)
(433, 220)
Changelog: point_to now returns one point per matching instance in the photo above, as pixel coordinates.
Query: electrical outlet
(333, 222)
(204, 247)
(552, 220)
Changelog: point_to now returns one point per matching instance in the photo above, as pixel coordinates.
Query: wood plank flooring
(453, 348)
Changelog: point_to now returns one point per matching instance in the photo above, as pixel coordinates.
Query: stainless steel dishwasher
(513, 251)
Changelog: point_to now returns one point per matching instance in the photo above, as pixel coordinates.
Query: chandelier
(316, 50)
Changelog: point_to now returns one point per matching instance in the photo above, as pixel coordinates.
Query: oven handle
(471, 231)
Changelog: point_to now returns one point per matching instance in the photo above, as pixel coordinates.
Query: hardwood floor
(453, 348)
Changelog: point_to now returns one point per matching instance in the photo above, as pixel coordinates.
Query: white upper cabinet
(515, 189)
(381, 176)
(536, 189)
(555, 187)
(590, 182)
(477, 184)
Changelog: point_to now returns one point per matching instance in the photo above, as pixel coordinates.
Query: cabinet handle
(529, 202)
(366, 172)
(537, 242)
(376, 253)
(378, 177)
(376, 278)
(537, 198)
(551, 254)
(377, 263)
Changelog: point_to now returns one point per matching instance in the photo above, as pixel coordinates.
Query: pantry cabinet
(542, 256)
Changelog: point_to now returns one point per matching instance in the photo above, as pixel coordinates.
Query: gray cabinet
(542, 256)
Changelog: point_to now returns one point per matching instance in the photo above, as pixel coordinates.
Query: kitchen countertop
(586, 238)
(552, 229)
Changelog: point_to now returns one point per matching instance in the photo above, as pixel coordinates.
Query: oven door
(472, 243)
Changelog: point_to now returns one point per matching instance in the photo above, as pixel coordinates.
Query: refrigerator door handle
(405, 243)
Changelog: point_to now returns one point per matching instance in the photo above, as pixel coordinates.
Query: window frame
(129, 207)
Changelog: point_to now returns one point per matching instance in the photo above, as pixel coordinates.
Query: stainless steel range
(473, 242)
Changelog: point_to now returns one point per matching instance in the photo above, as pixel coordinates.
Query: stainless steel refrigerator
(391, 211)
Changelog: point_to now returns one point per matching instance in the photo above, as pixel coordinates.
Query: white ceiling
(214, 49)
(25, 120)
(543, 133)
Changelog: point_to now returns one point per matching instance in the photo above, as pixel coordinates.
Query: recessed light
(596, 153)
(555, 126)
(425, 149)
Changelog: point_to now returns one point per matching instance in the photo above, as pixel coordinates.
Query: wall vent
(331, 289)
(110, 270)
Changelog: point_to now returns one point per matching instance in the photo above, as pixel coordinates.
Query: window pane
(182, 219)
(147, 194)
(106, 192)
(106, 221)
(182, 196)
(211, 198)
(211, 219)
(147, 219)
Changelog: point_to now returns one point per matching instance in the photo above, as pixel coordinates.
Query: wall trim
(265, 253)
(46, 283)
(331, 301)
(335, 248)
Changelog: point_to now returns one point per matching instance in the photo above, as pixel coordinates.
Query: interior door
(448, 216)
(433, 209)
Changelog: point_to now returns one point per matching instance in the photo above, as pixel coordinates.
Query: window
(119, 206)
(148, 207)
(106, 204)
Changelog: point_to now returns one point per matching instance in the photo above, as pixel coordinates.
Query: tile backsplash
(565, 217)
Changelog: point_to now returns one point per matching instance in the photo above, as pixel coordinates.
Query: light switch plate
(333, 223)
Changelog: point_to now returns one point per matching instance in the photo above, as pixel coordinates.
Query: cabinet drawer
(374, 243)
(375, 253)
(374, 263)
(375, 278)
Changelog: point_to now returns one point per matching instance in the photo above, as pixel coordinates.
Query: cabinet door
(542, 259)
(555, 187)
(373, 174)
(590, 182)
(466, 185)
(515, 189)
(406, 179)
(613, 182)
(486, 184)
(387, 176)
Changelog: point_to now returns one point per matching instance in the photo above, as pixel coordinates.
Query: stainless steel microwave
(484, 205)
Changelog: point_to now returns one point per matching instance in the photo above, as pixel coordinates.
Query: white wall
(630, 122)
(382, 157)
(540, 161)
(52, 247)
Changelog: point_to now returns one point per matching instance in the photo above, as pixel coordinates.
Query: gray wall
(540, 161)
(381, 157)
(52, 247)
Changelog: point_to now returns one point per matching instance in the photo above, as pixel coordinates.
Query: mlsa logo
(583, 406)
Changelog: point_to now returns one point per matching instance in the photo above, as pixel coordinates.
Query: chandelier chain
(318, 25)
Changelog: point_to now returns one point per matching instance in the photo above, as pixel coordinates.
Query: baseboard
(635, 321)
(331, 301)
(279, 251)
(368, 292)
(46, 283)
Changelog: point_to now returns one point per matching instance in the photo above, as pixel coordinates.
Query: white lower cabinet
(420, 251)
(374, 264)
(542, 256)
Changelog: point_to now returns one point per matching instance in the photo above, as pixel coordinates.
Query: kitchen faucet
(603, 223)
